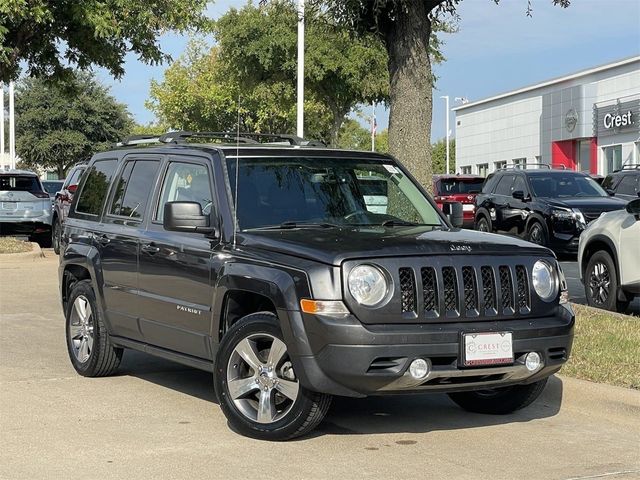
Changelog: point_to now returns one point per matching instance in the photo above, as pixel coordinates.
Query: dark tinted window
(186, 182)
(19, 183)
(373, 187)
(608, 182)
(95, 187)
(489, 184)
(52, 187)
(628, 185)
(561, 185)
(133, 188)
(451, 186)
(520, 185)
(504, 185)
(74, 178)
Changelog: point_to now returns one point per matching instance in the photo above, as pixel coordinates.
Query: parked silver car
(25, 207)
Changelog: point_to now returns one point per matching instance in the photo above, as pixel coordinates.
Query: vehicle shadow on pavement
(166, 373)
(422, 413)
(417, 413)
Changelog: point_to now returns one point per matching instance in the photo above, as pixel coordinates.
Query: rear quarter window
(95, 187)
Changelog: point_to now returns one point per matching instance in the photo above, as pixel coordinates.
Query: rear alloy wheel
(536, 234)
(257, 387)
(56, 234)
(483, 225)
(601, 283)
(499, 401)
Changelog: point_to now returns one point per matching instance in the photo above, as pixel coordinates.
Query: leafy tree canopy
(56, 127)
(53, 36)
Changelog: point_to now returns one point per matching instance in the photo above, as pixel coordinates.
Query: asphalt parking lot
(160, 420)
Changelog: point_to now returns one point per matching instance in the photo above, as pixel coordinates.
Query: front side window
(519, 185)
(565, 185)
(133, 188)
(95, 187)
(628, 185)
(336, 191)
(185, 182)
(504, 185)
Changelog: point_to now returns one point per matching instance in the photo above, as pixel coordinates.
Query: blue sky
(497, 48)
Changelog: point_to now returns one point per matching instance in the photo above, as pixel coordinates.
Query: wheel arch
(600, 243)
(482, 212)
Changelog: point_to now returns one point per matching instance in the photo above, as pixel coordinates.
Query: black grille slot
(450, 289)
(523, 287)
(558, 353)
(429, 290)
(408, 289)
(488, 289)
(470, 289)
(506, 288)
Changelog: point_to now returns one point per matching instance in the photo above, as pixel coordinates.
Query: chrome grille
(407, 289)
(429, 290)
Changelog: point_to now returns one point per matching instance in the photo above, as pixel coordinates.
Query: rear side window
(504, 185)
(74, 178)
(489, 183)
(95, 187)
(133, 188)
(19, 183)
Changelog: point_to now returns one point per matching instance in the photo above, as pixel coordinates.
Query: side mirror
(610, 192)
(72, 188)
(519, 195)
(185, 217)
(633, 207)
(453, 211)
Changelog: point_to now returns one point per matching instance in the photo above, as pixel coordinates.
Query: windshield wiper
(293, 224)
(404, 223)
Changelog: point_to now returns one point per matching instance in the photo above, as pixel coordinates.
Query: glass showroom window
(612, 158)
(520, 162)
(466, 170)
(483, 169)
(501, 164)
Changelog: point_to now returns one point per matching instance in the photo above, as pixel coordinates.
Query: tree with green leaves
(255, 59)
(52, 37)
(405, 28)
(58, 126)
(439, 156)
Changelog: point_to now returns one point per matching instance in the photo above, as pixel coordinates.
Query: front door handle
(103, 239)
(150, 248)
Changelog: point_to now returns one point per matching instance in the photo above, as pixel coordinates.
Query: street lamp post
(446, 99)
(12, 129)
(300, 110)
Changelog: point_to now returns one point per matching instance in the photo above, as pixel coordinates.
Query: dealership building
(588, 121)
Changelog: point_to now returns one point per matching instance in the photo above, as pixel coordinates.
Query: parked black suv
(624, 183)
(547, 207)
(296, 291)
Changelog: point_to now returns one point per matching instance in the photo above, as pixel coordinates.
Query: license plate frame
(480, 349)
(10, 206)
(468, 207)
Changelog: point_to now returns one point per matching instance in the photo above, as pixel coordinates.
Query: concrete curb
(34, 254)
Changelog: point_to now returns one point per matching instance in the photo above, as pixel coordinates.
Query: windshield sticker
(390, 168)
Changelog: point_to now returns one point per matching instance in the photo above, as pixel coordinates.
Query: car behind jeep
(263, 264)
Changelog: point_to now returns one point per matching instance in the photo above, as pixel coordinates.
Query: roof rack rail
(142, 139)
(519, 166)
(181, 136)
(631, 167)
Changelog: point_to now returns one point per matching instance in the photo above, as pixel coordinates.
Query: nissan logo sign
(619, 120)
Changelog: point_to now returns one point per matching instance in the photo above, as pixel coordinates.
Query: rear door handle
(150, 248)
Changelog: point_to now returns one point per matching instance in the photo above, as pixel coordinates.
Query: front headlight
(545, 280)
(368, 285)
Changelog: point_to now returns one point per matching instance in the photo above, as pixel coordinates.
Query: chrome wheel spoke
(248, 353)
(266, 410)
(90, 343)
(277, 352)
(83, 350)
(75, 331)
(80, 307)
(240, 387)
(288, 388)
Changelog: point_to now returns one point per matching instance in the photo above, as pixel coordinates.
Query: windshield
(452, 186)
(19, 183)
(326, 191)
(52, 187)
(565, 185)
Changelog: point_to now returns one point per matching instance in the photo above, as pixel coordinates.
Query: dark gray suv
(263, 264)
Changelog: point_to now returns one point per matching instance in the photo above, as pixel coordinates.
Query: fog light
(419, 368)
(532, 361)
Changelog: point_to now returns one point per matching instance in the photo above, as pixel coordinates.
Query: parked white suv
(609, 258)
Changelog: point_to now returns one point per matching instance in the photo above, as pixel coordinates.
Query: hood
(590, 204)
(335, 245)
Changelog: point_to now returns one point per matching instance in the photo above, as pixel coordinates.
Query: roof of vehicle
(465, 176)
(541, 171)
(15, 171)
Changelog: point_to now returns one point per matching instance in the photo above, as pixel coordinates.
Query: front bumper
(345, 357)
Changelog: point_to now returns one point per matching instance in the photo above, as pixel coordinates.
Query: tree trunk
(336, 124)
(407, 43)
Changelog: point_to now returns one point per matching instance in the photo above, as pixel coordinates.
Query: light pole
(300, 109)
(446, 99)
(12, 129)
(2, 123)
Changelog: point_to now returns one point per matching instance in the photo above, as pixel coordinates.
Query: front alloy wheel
(257, 387)
(81, 329)
(601, 283)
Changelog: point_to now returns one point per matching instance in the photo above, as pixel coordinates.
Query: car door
(628, 250)
(501, 203)
(175, 268)
(117, 241)
(516, 210)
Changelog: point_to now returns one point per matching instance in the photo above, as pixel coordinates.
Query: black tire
(103, 358)
(43, 239)
(56, 235)
(300, 417)
(537, 234)
(499, 401)
(483, 225)
(601, 283)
